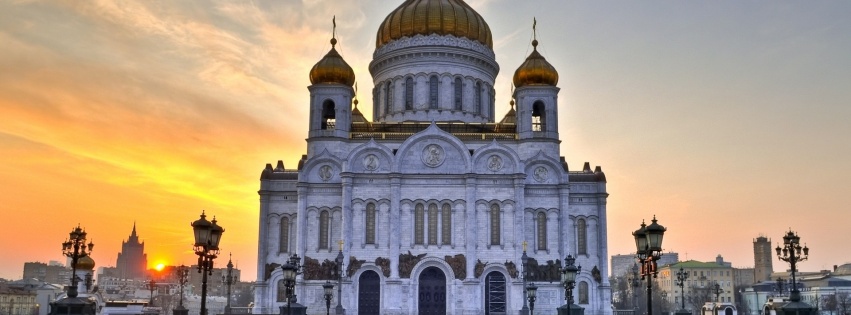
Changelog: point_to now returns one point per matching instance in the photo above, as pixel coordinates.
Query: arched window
(541, 219)
(446, 218)
(479, 98)
(324, 219)
(284, 241)
(432, 224)
(409, 93)
(538, 119)
(419, 213)
(583, 292)
(495, 225)
(432, 92)
(581, 237)
(388, 97)
(329, 117)
(370, 224)
(458, 94)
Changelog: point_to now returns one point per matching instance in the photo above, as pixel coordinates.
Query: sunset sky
(727, 119)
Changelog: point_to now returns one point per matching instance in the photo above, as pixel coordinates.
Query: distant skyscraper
(762, 259)
(132, 260)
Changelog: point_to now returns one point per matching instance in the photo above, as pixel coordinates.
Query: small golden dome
(332, 69)
(535, 70)
(85, 263)
(426, 17)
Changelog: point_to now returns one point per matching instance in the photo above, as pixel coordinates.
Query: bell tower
(331, 94)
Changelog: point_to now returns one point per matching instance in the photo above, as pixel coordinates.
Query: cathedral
(434, 200)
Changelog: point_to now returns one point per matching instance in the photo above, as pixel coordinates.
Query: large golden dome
(85, 263)
(535, 70)
(426, 17)
(332, 69)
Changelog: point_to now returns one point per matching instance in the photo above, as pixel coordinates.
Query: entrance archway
(432, 292)
(369, 293)
(495, 294)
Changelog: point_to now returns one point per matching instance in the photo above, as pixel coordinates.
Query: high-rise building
(433, 201)
(762, 256)
(132, 261)
(50, 273)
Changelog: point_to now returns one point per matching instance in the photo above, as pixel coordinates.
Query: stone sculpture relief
(596, 274)
(433, 155)
(325, 172)
(549, 272)
(407, 263)
(494, 163)
(384, 265)
(541, 174)
(512, 269)
(370, 162)
(480, 268)
(313, 270)
(267, 272)
(354, 266)
(458, 263)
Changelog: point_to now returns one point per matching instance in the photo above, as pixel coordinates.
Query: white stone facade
(445, 184)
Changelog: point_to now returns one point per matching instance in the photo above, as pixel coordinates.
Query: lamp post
(682, 276)
(182, 273)
(339, 260)
(633, 281)
(717, 291)
(89, 281)
(151, 286)
(75, 247)
(207, 237)
(532, 292)
(291, 269)
(791, 252)
(648, 249)
(524, 262)
(329, 293)
(568, 280)
(228, 280)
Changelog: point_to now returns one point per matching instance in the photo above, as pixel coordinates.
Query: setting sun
(160, 267)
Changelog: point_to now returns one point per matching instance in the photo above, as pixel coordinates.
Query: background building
(700, 286)
(50, 273)
(436, 196)
(132, 262)
(763, 254)
(622, 264)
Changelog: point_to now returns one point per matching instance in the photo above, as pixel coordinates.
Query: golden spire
(341, 244)
(524, 246)
(356, 95)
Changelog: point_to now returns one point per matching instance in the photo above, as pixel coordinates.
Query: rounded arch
(431, 261)
(311, 168)
(511, 162)
(433, 134)
(359, 159)
(555, 172)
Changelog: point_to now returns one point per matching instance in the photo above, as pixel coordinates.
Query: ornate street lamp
(329, 294)
(532, 292)
(89, 281)
(524, 262)
(568, 280)
(207, 237)
(75, 247)
(291, 269)
(717, 291)
(682, 276)
(228, 280)
(648, 249)
(779, 286)
(182, 273)
(152, 285)
(793, 253)
(339, 260)
(664, 301)
(634, 282)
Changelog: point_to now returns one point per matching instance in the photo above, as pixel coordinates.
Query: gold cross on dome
(524, 246)
(341, 244)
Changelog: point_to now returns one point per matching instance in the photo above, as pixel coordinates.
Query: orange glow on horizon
(160, 267)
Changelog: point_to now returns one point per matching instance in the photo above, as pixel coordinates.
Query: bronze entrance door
(432, 292)
(369, 293)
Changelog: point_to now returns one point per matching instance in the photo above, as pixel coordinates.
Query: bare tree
(829, 303)
(699, 295)
(843, 301)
